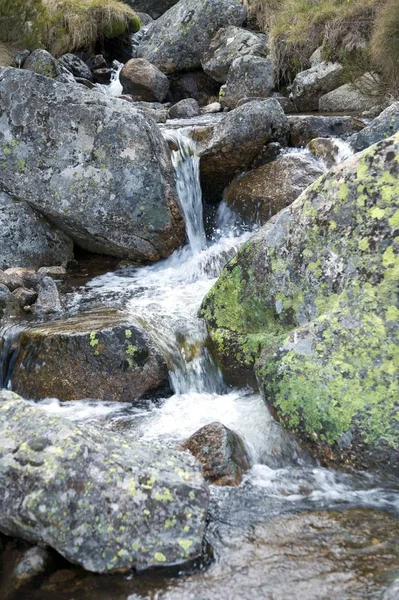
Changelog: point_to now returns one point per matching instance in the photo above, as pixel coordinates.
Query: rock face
(221, 452)
(144, 81)
(386, 124)
(310, 85)
(228, 44)
(305, 128)
(28, 240)
(261, 193)
(93, 355)
(102, 503)
(310, 305)
(236, 142)
(176, 41)
(95, 167)
(42, 63)
(184, 109)
(249, 76)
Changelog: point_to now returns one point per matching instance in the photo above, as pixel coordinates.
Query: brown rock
(144, 81)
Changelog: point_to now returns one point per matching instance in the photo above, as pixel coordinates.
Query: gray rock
(27, 239)
(34, 562)
(385, 125)
(48, 300)
(317, 57)
(54, 272)
(392, 593)
(176, 41)
(304, 128)
(261, 193)
(5, 299)
(42, 63)
(212, 108)
(286, 103)
(221, 452)
(145, 18)
(197, 85)
(121, 202)
(154, 8)
(248, 76)
(102, 503)
(76, 66)
(184, 109)
(93, 355)
(236, 142)
(144, 81)
(325, 149)
(228, 44)
(11, 280)
(310, 85)
(362, 95)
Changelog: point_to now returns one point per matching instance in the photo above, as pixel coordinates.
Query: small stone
(34, 562)
(12, 281)
(214, 107)
(24, 296)
(54, 272)
(184, 109)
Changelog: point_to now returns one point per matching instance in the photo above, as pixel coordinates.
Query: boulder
(48, 298)
(383, 126)
(197, 85)
(184, 109)
(76, 66)
(359, 96)
(42, 63)
(221, 452)
(310, 307)
(154, 8)
(176, 41)
(102, 503)
(228, 44)
(236, 142)
(249, 76)
(93, 355)
(261, 193)
(310, 85)
(304, 128)
(144, 81)
(95, 167)
(27, 239)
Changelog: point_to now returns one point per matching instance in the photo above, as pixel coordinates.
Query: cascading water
(114, 88)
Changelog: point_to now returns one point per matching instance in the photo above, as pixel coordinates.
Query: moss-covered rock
(310, 306)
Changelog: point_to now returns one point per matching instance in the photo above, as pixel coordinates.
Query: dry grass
(384, 47)
(5, 57)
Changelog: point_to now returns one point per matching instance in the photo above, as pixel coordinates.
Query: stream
(292, 530)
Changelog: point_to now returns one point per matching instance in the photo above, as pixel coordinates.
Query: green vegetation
(362, 34)
(62, 26)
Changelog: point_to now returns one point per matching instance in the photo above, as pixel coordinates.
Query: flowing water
(291, 530)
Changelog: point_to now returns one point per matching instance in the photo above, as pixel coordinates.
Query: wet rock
(310, 306)
(154, 8)
(176, 41)
(104, 504)
(324, 148)
(26, 238)
(42, 63)
(34, 562)
(261, 193)
(24, 296)
(102, 76)
(48, 298)
(76, 66)
(85, 83)
(121, 202)
(249, 76)
(97, 62)
(310, 85)
(221, 452)
(352, 97)
(197, 85)
(54, 272)
(305, 128)
(386, 124)
(236, 142)
(144, 81)
(184, 109)
(228, 44)
(93, 355)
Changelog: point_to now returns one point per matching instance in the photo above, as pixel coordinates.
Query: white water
(114, 88)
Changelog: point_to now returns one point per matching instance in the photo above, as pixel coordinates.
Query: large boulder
(42, 63)
(76, 66)
(228, 44)
(176, 41)
(310, 85)
(93, 355)
(221, 452)
(236, 142)
(102, 503)
(261, 193)
(248, 77)
(28, 240)
(310, 306)
(357, 97)
(304, 128)
(383, 126)
(144, 81)
(94, 166)
(154, 8)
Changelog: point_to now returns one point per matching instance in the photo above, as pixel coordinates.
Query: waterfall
(186, 164)
(114, 88)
